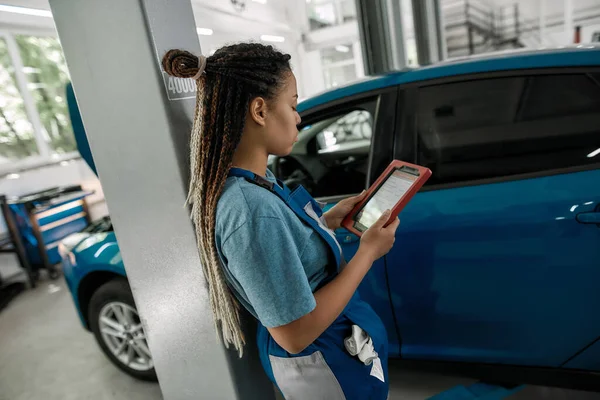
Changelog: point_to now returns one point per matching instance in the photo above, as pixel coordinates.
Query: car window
(551, 96)
(351, 130)
(336, 159)
(498, 127)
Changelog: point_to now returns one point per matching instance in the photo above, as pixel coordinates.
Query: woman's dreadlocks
(231, 79)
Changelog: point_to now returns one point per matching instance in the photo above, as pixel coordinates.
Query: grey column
(382, 39)
(429, 31)
(138, 121)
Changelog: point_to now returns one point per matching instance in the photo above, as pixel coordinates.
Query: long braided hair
(233, 76)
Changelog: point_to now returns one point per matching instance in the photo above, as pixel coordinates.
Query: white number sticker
(180, 88)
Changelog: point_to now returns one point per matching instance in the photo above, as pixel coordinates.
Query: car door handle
(589, 217)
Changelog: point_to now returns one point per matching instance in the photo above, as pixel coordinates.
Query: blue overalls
(325, 369)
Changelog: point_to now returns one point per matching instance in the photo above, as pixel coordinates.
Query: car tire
(115, 324)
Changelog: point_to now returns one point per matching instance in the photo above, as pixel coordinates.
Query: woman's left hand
(337, 213)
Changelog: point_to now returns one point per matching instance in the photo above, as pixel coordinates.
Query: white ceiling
(41, 4)
(256, 18)
(221, 14)
(228, 23)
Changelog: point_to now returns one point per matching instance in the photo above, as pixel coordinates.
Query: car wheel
(117, 327)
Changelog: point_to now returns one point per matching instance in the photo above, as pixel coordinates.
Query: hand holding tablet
(392, 191)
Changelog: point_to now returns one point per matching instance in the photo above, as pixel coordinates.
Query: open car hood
(78, 130)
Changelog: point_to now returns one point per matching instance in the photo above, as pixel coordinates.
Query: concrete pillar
(429, 31)
(542, 22)
(569, 30)
(138, 122)
(382, 39)
(359, 62)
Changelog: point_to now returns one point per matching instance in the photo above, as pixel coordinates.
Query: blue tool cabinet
(43, 219)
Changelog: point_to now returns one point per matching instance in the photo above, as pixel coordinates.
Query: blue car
(497, 259)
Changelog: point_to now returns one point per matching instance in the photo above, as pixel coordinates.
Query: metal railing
(478, 26)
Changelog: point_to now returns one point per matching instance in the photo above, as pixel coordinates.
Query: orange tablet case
(423, 175)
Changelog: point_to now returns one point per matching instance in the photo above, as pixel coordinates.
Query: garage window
(499, 127)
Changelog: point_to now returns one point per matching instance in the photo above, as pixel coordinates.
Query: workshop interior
(476, 122)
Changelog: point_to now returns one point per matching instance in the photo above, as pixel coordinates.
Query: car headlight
(90, 240)
(67, 244)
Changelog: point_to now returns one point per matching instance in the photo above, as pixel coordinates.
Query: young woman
(272, 250)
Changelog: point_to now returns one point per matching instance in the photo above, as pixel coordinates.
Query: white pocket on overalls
(306, 377)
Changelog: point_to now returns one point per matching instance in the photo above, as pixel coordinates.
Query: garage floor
(46, 354)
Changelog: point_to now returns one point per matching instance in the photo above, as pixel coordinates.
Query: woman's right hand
(378, 240)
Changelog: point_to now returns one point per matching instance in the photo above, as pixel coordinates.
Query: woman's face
(281, 128)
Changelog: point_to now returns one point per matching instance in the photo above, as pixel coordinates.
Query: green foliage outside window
(47, 77)
(17, 138)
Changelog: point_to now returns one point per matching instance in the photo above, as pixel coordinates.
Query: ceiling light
(272, 38)
(260, 1)
(64, 163)
(204, 31)
(13, 176)
(342, 49)
(26, 11)
(594, 153)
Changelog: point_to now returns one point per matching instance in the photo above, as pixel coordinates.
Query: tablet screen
(385, 198)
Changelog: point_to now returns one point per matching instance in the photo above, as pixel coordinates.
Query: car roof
(571, 56)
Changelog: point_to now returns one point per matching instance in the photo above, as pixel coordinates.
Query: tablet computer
(391, 191)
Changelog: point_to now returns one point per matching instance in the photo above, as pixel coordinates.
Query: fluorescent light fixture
(342, 49)
(272, 38)
(260, 1)
(26, 11)
(559, 218)
(594, 153)
(588, 203)
(13, 176)
(574, 207)
(204, 31)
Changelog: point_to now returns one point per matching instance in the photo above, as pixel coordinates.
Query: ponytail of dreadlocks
(233, 76)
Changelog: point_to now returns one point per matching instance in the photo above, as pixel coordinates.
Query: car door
(497, 259)
(341, 146)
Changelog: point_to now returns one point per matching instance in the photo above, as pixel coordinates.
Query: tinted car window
(551, 96)
(505, 126)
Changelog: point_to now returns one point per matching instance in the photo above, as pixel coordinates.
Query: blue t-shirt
(273, 261)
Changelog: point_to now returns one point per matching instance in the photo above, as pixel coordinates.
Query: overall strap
(301, 203)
